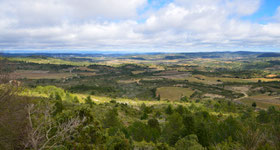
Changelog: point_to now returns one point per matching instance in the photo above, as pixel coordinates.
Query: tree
(138, 131)
(76, 100)
(153, 123)
(143, 107)
(180, 109)
(118, 142)
(184, 99)
(228, 128)
(91, 136)
(158, 97)
(111, 119)
(254, 104)
(189, 126)
(89, 101)
(169, 110)
(189, 142)
(154, 128)
(144, 116)
(44, 132)
(172, 130)
(227, 145)
(203, 134)
(58, 106)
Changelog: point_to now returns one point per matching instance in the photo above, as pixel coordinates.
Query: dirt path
(237, 100)
(245, 96)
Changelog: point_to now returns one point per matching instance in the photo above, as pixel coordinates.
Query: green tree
(203, 134)
(76, 100)
(144, 116)
(254, 104)
(180, 109)
(138, 131)
(118, 142)
(158, 97)
(169, 110)
(189, 142)
(227, 145)
(154, 129)
(58, 104)
(89, 101)
(184, 99)
(189, 125)
(172, 130)
(111, 119)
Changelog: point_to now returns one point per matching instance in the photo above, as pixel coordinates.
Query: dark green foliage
(90, 137)
(94, 89)
(153, 123)
(263, 116)
(228, 128)
(204, 134)
(113, 101)
(111, 119)
(144, 116)
(184, 99)
(158, 97)
(140, 131)
(189, 142)
(118, 142)
(180, 109)
(89, 101)
(254, 104)
(189, 125)
(169, 110)
(58, 104)
(172, 130)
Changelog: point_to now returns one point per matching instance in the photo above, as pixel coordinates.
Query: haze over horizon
(139, 25)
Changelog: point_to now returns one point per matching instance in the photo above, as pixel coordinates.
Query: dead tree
(46, 133)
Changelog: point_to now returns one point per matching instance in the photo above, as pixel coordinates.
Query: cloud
(55, 12)
(181, 25)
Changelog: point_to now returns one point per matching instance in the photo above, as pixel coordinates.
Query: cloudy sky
(140, 25)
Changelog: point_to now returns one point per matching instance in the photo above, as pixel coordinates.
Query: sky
(140, 25)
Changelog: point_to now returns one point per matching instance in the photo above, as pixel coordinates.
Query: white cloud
(243, 7)
(113, 25)
(53, 12)
(277, 14)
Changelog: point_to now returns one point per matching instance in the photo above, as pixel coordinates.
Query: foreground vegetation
(55, 119)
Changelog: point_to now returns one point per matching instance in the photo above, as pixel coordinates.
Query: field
(136, 76)
(35, 74)
(262, 101)
(173, 93)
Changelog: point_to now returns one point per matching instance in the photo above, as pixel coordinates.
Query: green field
(173, 93)
(263, 101)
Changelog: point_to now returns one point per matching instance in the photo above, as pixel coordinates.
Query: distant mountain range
(270, 55)
(167, 56)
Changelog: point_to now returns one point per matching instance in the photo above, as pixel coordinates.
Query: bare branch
(40, 134)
